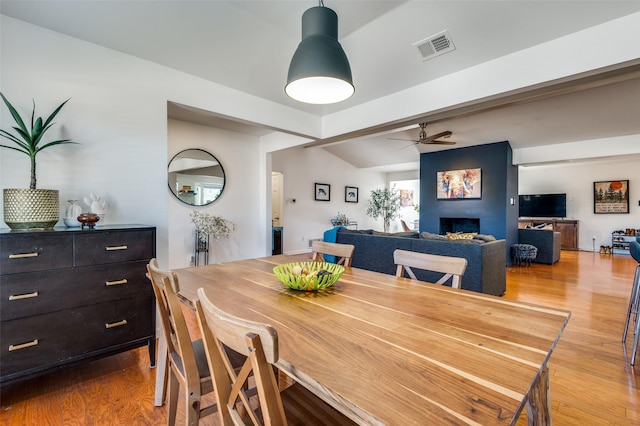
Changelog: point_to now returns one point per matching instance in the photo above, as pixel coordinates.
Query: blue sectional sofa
(486, 268)
(546, 241)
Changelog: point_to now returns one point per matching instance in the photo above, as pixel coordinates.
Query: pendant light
(319, 72)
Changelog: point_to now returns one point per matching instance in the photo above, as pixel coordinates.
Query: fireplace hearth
(459, 224)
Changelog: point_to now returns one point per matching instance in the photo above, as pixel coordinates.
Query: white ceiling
(247, 45)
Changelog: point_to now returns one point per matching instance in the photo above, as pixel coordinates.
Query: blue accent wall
(498, 217)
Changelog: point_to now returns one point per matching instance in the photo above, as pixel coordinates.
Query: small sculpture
(96, 205)
(88, 219)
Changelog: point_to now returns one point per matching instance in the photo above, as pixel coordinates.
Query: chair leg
(174, 389)
(635, 343)
(192, 404)
(633, 303)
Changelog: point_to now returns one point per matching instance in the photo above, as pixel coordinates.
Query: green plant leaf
(54, 113)
(58, 142)
(27, 141)
(14, 114)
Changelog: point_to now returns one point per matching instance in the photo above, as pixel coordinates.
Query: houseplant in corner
(31, 208)
(384, 203)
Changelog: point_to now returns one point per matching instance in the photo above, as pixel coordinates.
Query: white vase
(71, 217)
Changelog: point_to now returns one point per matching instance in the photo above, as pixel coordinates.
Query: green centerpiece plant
(384, 203)
(31, 208)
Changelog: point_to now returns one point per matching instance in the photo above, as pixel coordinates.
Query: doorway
(277, 208)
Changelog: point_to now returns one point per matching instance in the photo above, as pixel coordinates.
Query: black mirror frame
(224, 183)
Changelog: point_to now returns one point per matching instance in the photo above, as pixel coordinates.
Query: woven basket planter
(31, 208)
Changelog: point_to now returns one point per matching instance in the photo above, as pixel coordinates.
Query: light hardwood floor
(591, 380)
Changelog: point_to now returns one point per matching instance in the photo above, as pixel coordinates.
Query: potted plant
(209, 226)
(31, 208)
(384, 203)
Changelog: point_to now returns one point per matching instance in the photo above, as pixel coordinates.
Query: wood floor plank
(591, 382)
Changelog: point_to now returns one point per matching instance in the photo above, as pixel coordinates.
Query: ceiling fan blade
(440, 143)
(436, 136)
(407, 140)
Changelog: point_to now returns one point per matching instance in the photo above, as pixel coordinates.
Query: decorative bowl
(71, 222)
(88, 219)
(311, 278)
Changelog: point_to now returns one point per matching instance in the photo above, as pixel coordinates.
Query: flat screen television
(543, 205)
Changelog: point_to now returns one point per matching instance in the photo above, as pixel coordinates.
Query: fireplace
(459, 224)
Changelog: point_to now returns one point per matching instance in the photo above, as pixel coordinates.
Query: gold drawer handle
(116, 324)
(108, 283)
(22, 255)
(23, 345)
(114, 248)
(23, 296)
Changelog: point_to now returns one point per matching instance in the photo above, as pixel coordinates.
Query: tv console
(568, 229)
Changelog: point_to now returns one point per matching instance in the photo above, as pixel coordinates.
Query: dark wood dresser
(70, 295)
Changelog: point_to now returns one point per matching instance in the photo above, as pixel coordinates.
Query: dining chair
(186, 359)
(405, 227)
(294, 405)
(634, 300)
(321, 250)
(452, 267)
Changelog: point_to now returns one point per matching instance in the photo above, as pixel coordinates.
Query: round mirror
(196, 177)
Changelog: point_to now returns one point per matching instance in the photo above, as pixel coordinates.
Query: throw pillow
(429, 236)
(461, 235)
(485, 238)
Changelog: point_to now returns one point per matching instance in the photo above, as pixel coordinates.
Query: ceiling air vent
(435, 45)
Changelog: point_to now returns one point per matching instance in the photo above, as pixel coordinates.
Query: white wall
(576, 180)
(118, 114)
(306, 218)
(238, 203)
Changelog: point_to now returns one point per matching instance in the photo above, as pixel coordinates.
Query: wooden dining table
(394, 351)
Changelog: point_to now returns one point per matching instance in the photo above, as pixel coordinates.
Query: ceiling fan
(431, 140)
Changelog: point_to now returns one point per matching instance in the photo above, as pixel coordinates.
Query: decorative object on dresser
(88, 219)
(71, 215)
(96, 206)
(31, 208)
(208, 226)
(71, 295)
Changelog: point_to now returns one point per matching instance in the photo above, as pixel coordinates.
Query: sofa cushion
(410, 234)
(429, 236)
(484, 237)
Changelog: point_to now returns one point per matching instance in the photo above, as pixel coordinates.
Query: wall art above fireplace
(459, 184)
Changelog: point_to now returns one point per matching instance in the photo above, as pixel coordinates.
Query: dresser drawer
(36, 293)
(32, 252)
(47, 340)
(114, 246)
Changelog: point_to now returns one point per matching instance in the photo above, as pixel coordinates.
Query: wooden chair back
(343, 252)
(259, 343)
(452, 267)
(181, 356)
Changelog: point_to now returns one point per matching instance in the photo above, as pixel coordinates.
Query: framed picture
(406, 198)
(611, 196)
(323, 192)
(350, 194)
(459, 184)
